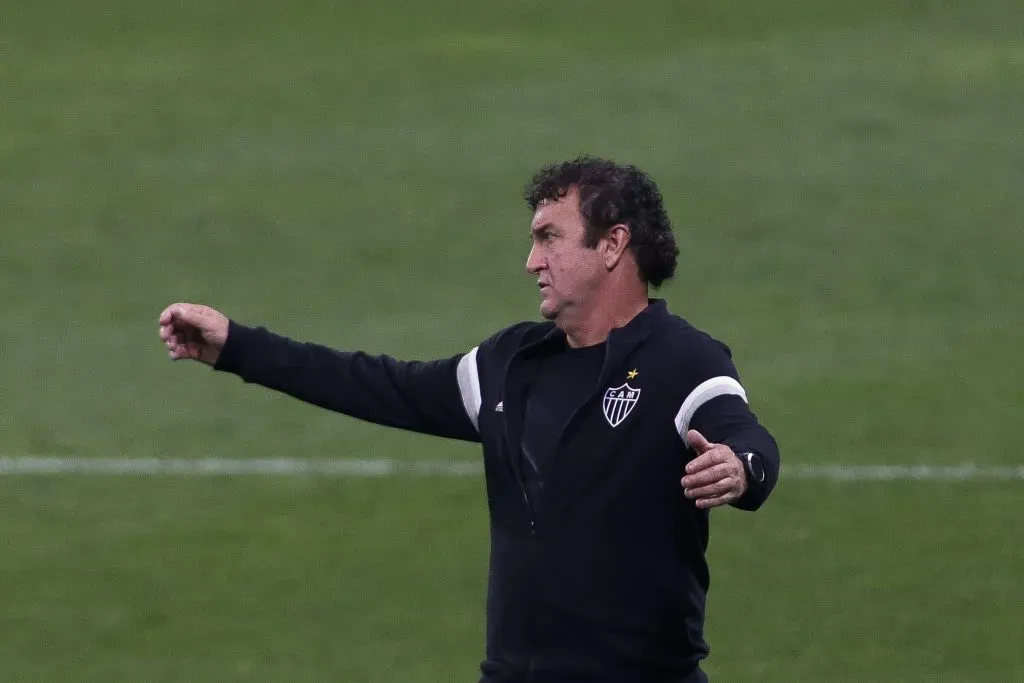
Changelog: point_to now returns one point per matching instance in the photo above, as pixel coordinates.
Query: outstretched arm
(439, 397)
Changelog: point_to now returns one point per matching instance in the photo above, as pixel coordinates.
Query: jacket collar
(633, 332)
(642, 325)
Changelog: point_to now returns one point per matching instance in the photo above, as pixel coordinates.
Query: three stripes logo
(618, 403)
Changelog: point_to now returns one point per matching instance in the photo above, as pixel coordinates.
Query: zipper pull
(529, 511)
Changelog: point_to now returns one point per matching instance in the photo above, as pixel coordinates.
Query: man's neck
(594, 327)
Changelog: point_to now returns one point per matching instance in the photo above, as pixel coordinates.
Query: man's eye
(543, 236)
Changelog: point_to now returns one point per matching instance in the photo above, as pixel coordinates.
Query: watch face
(755, 466)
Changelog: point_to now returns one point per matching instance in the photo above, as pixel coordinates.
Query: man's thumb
(697, 441)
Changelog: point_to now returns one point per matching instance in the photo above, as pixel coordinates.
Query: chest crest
(618, 403)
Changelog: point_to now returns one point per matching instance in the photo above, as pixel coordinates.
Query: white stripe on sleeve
(469, 386)
(705, 391)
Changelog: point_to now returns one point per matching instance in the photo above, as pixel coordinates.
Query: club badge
(618, 403)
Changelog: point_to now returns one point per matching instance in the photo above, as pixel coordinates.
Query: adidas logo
(500, 408)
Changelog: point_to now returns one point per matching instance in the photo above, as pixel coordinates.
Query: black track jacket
(608, 583)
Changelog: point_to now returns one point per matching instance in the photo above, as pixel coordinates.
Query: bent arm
(716, 405)
(440, 397)
(728, 419)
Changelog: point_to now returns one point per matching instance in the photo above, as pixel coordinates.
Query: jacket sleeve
(440, 397)
(717, 406)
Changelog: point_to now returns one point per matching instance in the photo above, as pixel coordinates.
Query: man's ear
(615, 242)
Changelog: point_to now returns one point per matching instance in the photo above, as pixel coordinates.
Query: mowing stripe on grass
(369, 467)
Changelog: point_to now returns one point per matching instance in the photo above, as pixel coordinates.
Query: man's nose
(535, 261)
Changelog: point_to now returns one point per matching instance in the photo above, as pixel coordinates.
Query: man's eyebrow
(544, 227)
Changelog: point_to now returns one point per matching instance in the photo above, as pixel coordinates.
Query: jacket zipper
(529, 509)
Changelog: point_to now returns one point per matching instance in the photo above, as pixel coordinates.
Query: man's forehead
(561, 208)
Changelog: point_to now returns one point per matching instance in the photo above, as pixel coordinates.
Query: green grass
(845, 181)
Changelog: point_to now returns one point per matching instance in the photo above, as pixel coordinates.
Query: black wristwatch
(753, 465)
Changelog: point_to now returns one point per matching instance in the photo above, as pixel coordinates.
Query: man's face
(566, 270)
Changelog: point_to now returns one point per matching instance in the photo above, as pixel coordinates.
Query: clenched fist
(193, 331)
(716, 476)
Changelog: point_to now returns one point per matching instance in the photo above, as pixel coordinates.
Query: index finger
(701, 463)
(167, 315)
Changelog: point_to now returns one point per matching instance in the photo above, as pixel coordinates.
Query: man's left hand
(716, 476)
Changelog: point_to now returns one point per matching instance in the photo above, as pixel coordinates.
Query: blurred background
(845, 179)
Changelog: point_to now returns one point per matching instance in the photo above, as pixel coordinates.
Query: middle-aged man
(608, 432)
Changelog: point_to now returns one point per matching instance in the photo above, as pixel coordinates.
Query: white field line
(370, 467)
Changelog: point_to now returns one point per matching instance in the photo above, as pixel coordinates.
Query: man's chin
(548, 310)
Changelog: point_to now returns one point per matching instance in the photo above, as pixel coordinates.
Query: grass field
(846, 182)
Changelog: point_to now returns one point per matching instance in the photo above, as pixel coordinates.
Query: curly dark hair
(610, 194)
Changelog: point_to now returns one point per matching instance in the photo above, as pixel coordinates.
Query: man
(608, 433)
